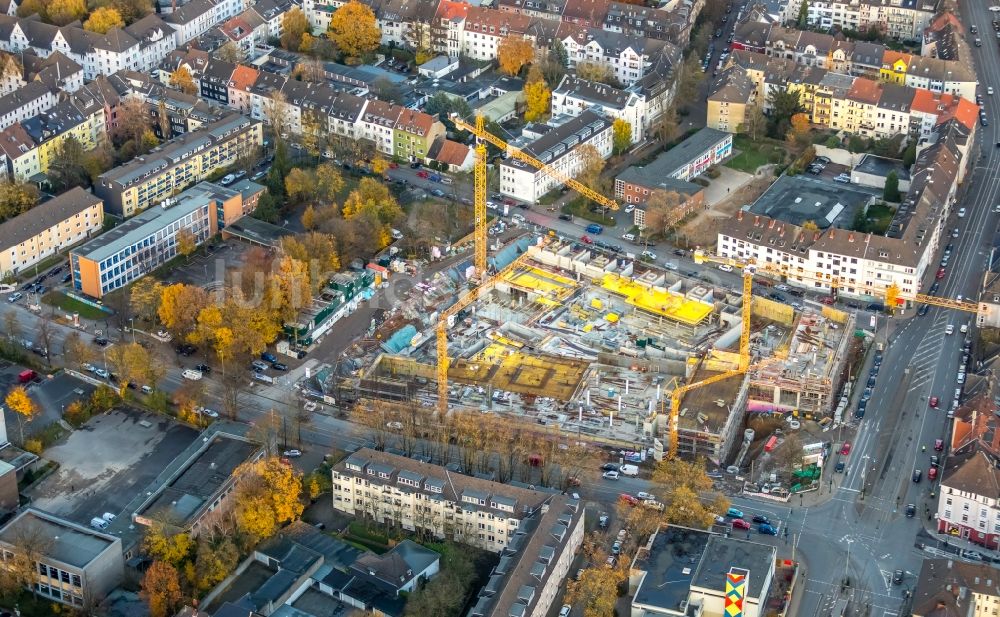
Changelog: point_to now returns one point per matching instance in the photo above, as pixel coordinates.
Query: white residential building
(628, 58)
(969, 504)
(574, 95)
(558, 147)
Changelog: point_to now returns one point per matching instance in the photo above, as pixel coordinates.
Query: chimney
(771, 224)
(831, 233)
(850, 237)
(756, 220)
(781, 231)
(739, 215)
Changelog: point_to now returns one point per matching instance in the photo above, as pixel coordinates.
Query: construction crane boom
(524, 157)
(443, 362)
(479, 202)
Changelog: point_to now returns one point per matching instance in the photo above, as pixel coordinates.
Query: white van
(191, 374)
(629, 470)
(98, 523)
(147, 390)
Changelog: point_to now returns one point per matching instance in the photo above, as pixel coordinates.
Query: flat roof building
(147, 241)
(74, 565)
(798, 199)
(152, 178)
(681, 567)
(200, 486)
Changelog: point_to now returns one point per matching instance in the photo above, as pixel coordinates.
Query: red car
(940, 273)
(739, 523)
(828, 300)
(938, 445)
(932, 473)
(586, 240)
(422, 174)
(934, 402)
(846, 448)
(393, 165)
(630, 500)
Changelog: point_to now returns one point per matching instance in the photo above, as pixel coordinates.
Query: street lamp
(131, 326)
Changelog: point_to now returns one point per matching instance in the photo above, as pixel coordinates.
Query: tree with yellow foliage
(596, 591)
(62, 12)
(183, 81)
(144, 297)
(354, 29)
(215, 560)
(18, 401)
(313, 247)
(379, 165)
(165, 545)
(179, 307)
(513, 53)
(161, 589)
(307, 42)
(373, 199)
(621, 135)
(300, 184)
(186, 242)
(536, 96)
(309, 218)
(291, 288)
(103, 19)
(293, 26)
(266, 497)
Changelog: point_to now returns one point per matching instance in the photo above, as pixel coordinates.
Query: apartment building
(969, 503)
(413, 133)
(149, 179)
(48, 228)
(860, 105)
(195, 18)
(947, 586)
(74, 565)
(858, 58)
(855, 264)
(137, 47)
(574, 95)
(557, 147)
(25, 102)
(627, 58)
(899, 20)
(730, 96)
(484, 28)
(537, 533)
(148, 240)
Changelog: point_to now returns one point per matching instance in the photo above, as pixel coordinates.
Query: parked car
(291, 453)
(279, 366)
(191, 374)
(766, 529)
(739, 523)
(845, 449)
(734, 513)
(204, 368)
(610, 475)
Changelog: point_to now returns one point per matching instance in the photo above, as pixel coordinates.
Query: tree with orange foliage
(513, 53)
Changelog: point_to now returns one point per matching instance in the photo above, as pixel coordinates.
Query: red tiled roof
(591, 12)
(889, 57)
(243, 77)
(964, 110)
(453, 153)
(479, 19)
(237, 28)
(452, 10)
(865, 91)
(413, 121)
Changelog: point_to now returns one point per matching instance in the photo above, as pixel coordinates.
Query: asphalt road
(863, 529)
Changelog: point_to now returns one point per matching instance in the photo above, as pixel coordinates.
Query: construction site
(593, 344)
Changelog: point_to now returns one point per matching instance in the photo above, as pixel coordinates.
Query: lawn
(71, 305)
(875, 221)
(580, 207)
(753, 155)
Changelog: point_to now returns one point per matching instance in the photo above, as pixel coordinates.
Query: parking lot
(107, 462)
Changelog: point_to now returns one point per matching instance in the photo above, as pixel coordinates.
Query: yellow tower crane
(891, 294)
(479, 201)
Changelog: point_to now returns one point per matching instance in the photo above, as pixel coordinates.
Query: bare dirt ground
(703, 229)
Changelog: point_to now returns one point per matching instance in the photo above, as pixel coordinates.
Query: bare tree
(12, 324)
